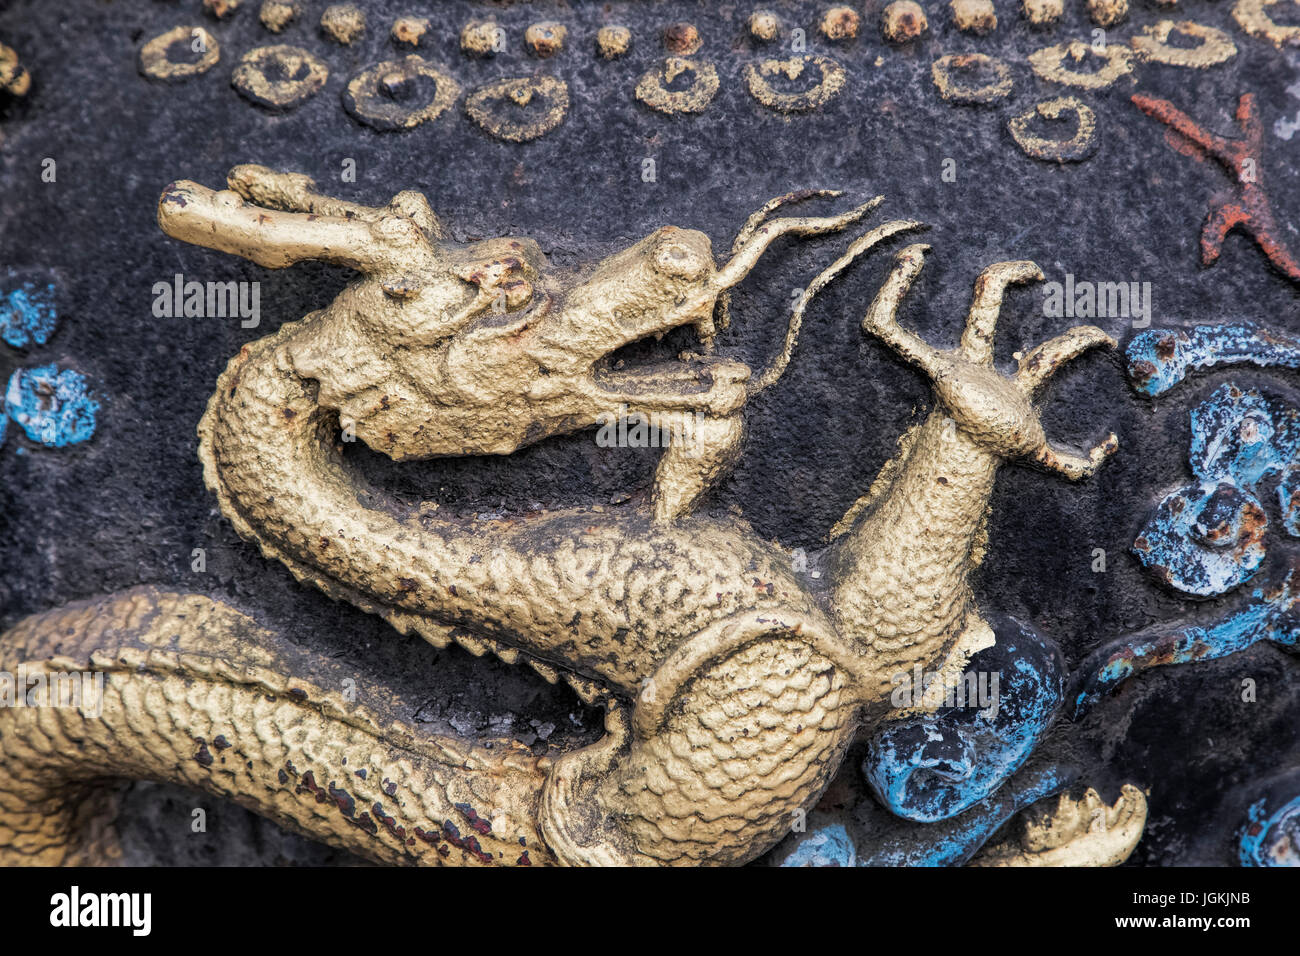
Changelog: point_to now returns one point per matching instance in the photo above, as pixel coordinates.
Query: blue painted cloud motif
(27, 314)
(1158, 359)
(944, 782)
(866, 834)
(828, 845)
(1204, 539)
(1272, 615)
(54, 407)
(1271, 834)
(1208, 537)
(1244, 436)
(931, 767)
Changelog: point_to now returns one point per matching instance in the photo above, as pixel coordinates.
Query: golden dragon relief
(732, 685)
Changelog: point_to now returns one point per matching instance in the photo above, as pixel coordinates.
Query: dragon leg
(195, 692)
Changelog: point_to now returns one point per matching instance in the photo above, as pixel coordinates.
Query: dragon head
(450, 348)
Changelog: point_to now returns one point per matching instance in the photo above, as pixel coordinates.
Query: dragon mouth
(676, 376)
(656, 364)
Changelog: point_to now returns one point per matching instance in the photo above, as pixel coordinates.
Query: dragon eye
(676, 259)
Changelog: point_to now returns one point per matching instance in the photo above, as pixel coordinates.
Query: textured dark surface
(128, 506)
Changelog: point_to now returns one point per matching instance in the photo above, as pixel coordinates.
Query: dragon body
(733, 684)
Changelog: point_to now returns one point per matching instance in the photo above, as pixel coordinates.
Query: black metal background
(129, 505)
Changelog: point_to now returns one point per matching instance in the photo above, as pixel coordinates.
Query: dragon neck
(900, 571)
(563, 586)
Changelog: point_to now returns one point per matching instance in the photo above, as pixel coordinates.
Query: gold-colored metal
(732, 685)
(828, 85)
(956, 90)
(652, 88)
(279, 76)
(1080, 831)
(521, 109)
(1056, 64)
(156, 55)
(613, 41)
(14, 78)
(1253, 17)
(199, 694)
(903, 21)
(1077, 147)
(1214, 45)
(276, 15)
(369, 95)
(343, 22)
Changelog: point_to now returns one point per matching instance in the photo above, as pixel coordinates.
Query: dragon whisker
(855, 250)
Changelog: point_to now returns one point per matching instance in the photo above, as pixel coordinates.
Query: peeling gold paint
(974, 16)
(482, 38)
(1107, 13)
(1153, 44)
(764, 25)
(222, 8)
(840, 23)
(298, 75)
(545, 39)
(14, 77)
(369, 95)
(830, 83)
(903, 21)
(410, 30)
(1072, 150)
(1252, 16)
(276, 15)
(507, 109)
(1049, 63)
(155, 56)
(613, 41)
(343, 22)
(997, 88)
(1080, 831)
(732, 687)
(1042, 13)
(652, 88)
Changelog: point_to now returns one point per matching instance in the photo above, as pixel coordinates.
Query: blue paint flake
(54, 407)
(1243, 435)
(1204, 539)
(27, 315)
(1288, 499)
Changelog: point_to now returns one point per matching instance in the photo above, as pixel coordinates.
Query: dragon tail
(181, 688)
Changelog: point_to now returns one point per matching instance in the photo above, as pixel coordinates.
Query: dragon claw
(1043, 361)
(986, 306)
(1077, 467)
